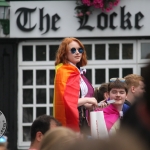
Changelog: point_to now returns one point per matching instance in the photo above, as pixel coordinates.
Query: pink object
(111, 115)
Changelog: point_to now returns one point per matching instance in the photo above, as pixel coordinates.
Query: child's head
(101, 92)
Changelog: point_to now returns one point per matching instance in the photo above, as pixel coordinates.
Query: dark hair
(42, 124)
(117, 84)
(99, 92)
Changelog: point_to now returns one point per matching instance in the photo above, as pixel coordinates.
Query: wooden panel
(8, 89)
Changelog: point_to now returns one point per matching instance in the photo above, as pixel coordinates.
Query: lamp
(4, 21)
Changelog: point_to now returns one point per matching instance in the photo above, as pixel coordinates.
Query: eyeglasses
(3, 139)
(73, 50)
(114, 79)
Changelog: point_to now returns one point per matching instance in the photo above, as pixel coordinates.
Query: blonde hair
(58, 138)
(133, 80)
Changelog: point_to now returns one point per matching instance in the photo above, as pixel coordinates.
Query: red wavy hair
(61, 55)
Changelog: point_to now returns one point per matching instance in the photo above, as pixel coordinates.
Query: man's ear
(39, 136)
(132, 89)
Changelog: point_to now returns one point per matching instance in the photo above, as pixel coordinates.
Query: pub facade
(117, 43)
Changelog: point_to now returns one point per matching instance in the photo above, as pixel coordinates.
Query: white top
(83, 86)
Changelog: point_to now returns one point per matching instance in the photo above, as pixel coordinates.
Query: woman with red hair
(72, 91)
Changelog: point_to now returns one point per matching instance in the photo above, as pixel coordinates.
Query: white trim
(139, 51)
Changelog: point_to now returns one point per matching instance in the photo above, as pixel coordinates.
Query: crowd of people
(127, 119)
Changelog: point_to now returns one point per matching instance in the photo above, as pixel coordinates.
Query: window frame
(92, 64)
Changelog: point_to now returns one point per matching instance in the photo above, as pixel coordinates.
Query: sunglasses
(73, 50)
(114, 79)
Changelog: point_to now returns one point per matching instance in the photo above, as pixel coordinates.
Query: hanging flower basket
(85, 7)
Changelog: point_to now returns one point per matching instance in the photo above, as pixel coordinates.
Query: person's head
(123, 140)
(71, 50)
(143, 109)
(58, 139)
(3, 143)
(135, 85)
(3, 147)
(117, 90)
(101, 92)
(41, 125)
(146, 77)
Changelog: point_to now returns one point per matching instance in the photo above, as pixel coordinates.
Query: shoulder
(127, 103)
(67, 68)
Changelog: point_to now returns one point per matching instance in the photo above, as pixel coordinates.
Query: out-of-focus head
(135, 84)
(119, 141)
(70, 51)
(146, 76)
(58, 139)
(41, 125)
(3, 143)
(101, 92)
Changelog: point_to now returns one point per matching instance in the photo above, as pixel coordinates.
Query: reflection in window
(89, 75)
(51, 111)
(100, 76)
(51, 93)
(145, 50)
(41, 96)
(126, 71)
(27, 96)
(40, 111)
(27, 115)
(27, 53)
(113, 51)
(113, 73)
(27, 77)
(41, 53)
(26, 134)
(51, 77)
(100, 52)
(40, 77)
(88, 49)
(52, 51)
(127, 51)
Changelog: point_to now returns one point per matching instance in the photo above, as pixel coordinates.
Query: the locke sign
(104, 20)
(3, 124)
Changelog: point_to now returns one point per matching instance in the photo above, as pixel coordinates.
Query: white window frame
(92, 64)
(139, 51)
(107, 61)
(107, 67)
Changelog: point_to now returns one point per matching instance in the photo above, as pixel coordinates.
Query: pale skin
(88, 102)
(119, 95)
(135, 92)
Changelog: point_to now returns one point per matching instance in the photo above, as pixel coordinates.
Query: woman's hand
(102, 104)
(87, 100)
